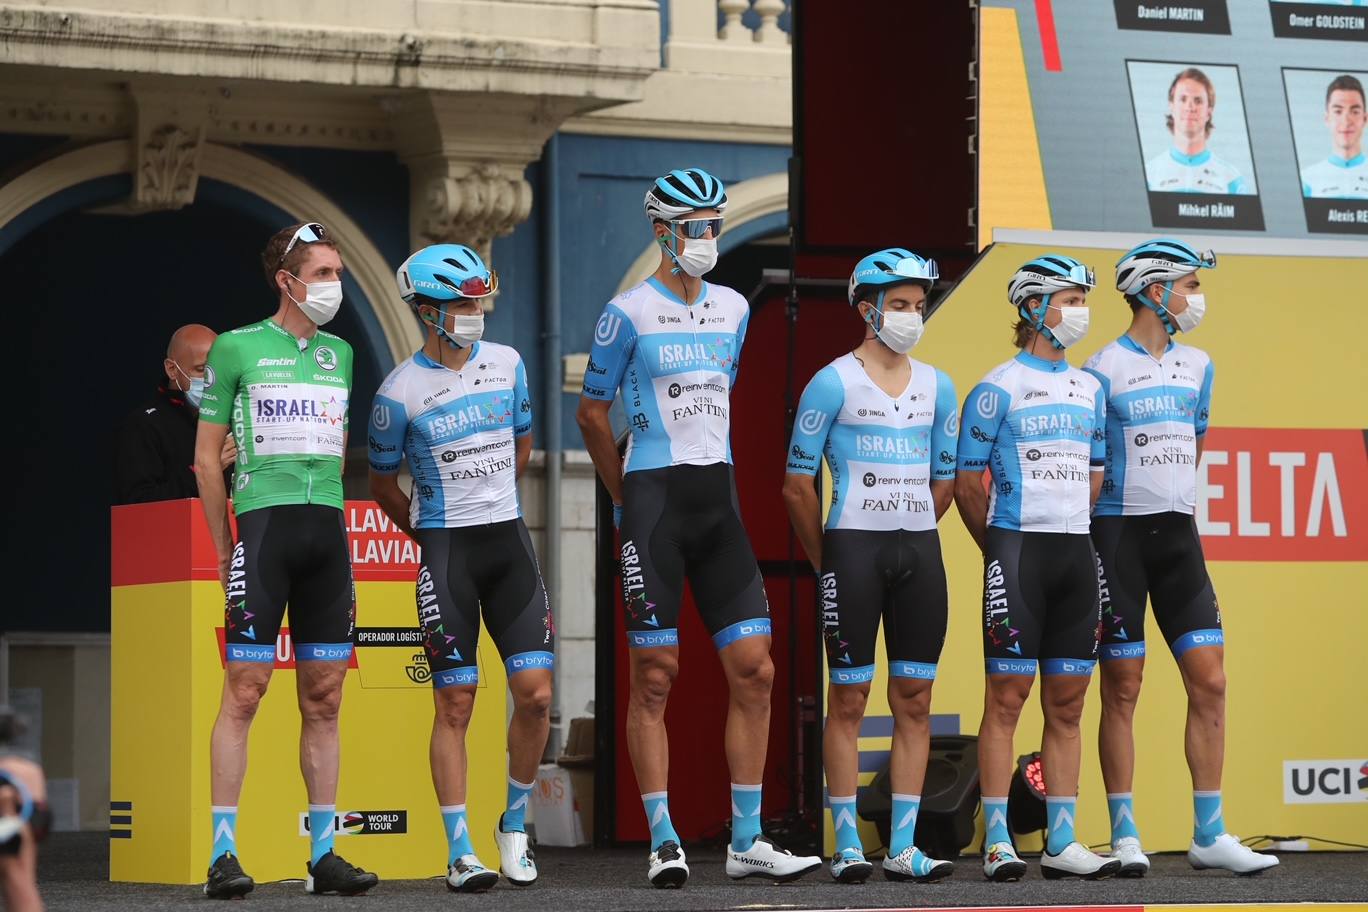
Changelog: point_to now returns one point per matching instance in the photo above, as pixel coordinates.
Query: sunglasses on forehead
(694, 229)
(310, 233)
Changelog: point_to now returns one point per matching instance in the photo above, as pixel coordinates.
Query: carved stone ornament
(474, 208)
(168, 168)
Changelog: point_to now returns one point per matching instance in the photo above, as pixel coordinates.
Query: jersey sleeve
(945, 430)
(388, 427)
(614, 342)
(984, 411)
(817, 410)
(522, 403)
(1203, 416)
(1098, 462)
(222, 371)
(1239, 186)
(740, 341)
(347, 360)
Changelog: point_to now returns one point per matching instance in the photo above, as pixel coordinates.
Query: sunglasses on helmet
(1082, 276)
(478, 286)
(310, 233)
(913, 268)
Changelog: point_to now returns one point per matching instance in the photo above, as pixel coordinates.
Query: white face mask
(466, 330)
(1196, 308)
(321, 299)
(195, 393)
(1073, 325)
(699, 256)
(900, 331)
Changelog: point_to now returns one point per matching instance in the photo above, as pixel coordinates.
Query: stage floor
(74, 868)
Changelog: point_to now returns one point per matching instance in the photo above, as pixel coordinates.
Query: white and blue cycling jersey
(1174, 172)
(1337, 178)
(457, 430)
(675, 364)
(882, 451)
(1036, 426)
(1156, 413)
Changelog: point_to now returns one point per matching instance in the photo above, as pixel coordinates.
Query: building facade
(149, 147)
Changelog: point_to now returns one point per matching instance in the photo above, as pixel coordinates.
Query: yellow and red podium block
(167, 673)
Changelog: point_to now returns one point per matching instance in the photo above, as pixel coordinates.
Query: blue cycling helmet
(888, 267)
(681, 192)
(446, 272)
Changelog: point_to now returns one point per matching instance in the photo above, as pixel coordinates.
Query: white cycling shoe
(1229, 853)
(849, 866)
(667, 867)
(1134, 862)
(1077, 861)
(516, 860)
(914, 864)
(1001, 864)
(765, 859)
(467, 875)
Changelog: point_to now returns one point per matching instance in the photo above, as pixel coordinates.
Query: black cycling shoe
(226, 879)
(333, 874)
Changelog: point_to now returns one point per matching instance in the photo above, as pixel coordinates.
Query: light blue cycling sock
(903, 822)
(843, 822)
(657, 806)
(1207, 820)
(322, 818)
(995, 821)
(745, 815)
(457, 832)
(1059, 814)
(1121, 808)
(519, 794)
(225, 831)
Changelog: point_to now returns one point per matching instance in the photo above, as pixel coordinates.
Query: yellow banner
(1290, 375)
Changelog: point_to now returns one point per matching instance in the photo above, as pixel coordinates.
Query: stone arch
(53, 186)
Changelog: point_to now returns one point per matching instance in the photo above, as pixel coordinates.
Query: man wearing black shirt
(154, 449)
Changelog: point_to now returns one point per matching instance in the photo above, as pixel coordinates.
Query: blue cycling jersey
(1036, 426)
(457, 430)
(675, 364)
(1156, 412)
(883, 451)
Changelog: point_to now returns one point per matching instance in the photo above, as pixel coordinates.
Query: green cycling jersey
(287, 408)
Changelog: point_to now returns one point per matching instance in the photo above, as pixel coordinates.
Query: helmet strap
(1162, 307)
(669, 249)
(1037, 319)
(878, 308)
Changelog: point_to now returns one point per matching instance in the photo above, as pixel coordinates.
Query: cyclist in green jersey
(281, 387)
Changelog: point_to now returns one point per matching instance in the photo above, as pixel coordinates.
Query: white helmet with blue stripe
(683, 191)
(1044, 276)
(1159, 260)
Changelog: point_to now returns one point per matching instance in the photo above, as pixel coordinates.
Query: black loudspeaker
(945, 823)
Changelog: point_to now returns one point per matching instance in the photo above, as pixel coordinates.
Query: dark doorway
(93, 299)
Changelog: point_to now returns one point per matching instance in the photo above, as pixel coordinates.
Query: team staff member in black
(154, 449)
